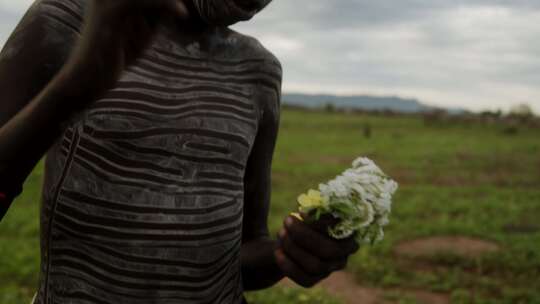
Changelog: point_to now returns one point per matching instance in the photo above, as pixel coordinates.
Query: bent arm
(35, 94)
(259, 268)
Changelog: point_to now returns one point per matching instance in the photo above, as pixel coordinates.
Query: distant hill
(364, 102)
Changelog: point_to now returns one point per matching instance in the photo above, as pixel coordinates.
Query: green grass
(281, 294)
(471, 180)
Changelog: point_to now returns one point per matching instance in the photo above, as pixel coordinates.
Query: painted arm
(53, 67)
(303, 252)
(30, 116)
(259, 268)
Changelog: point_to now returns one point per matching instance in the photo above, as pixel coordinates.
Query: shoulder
(250, 48)
(270, 81)
(66, 16)
(271, 75)
(48, 28)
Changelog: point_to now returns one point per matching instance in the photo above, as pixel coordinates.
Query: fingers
(307, 256)
(324, 222)
(317, 243)
(338, 265)
(308, 262)
(293, 271)
(349, 244)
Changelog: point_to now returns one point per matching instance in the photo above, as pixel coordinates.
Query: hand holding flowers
(360, 199)
(334, 220)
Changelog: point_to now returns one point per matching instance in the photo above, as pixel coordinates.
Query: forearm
(27, 136)
(259, 268)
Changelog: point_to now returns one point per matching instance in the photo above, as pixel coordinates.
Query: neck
(195, 30)
(194, 24)
(193, 27)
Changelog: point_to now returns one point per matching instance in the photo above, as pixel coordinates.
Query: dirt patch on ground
(343, 286)
(426, 297)
(404, 176)
(455, 245)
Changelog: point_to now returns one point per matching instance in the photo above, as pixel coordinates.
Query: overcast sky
(477, 54)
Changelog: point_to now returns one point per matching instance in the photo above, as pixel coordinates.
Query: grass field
(455, 180)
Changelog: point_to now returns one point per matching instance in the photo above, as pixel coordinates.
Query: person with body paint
(158, 123)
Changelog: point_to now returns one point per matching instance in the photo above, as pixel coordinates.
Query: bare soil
(343, 286)
(456, 245)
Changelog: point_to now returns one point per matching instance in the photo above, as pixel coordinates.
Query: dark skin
(35, 112)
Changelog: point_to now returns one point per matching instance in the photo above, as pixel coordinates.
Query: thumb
(323, 223)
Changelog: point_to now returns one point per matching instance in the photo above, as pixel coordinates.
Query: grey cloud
(329, 15)
(7, 23)
(446, 52)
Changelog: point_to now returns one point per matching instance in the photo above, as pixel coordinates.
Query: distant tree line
(520, 115)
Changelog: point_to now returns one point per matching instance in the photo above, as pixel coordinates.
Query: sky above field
(476, 54)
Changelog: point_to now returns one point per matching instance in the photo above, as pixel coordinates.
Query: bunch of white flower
(360, 198)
